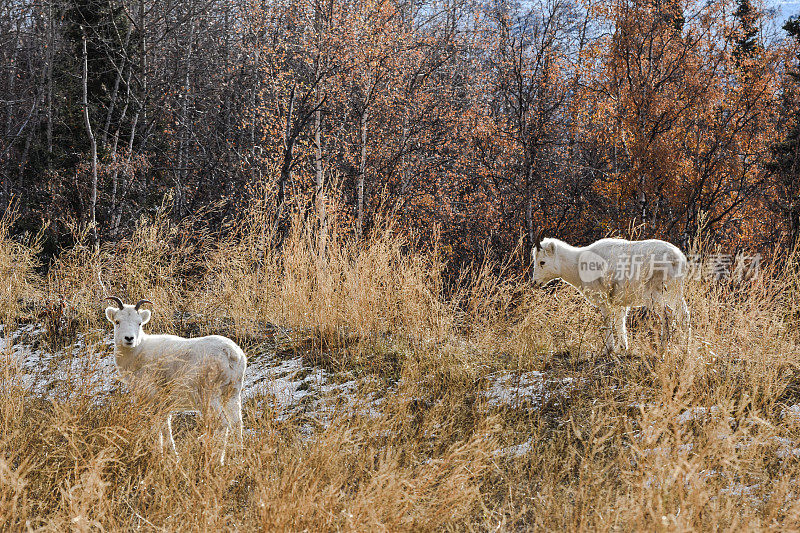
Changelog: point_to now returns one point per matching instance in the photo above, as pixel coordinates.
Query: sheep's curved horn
(537, 239)
(140, 302)
(117, 301)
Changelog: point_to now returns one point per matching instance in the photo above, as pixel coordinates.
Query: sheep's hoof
(607, 352)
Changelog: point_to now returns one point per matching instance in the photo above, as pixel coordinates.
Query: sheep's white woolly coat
(196, 371)
(617, 274)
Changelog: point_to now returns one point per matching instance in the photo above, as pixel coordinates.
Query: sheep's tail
(680, 266)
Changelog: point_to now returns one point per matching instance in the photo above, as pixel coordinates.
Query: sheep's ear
(549, 247)
(110, 312)
(145, 314)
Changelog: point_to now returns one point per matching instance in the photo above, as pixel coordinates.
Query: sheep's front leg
(165, 433)
(224, 445)
(608, 330)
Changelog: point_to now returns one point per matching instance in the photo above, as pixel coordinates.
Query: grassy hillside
(381, 397)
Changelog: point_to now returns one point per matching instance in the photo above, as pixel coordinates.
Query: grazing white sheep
(204, 373)
(617, 274)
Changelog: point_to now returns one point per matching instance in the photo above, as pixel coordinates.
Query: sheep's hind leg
(666, 315)
(224, 445)
(622, 332)
(682, 316)
(676, 306)
(608, 331)
(233, 411)
(659, 305)
(222, 425)
(230, 418)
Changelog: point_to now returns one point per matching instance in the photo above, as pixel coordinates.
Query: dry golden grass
(17, 263)
(701, 436)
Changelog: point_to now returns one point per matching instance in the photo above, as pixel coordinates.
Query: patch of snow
(81, 367)
(700, 414)
(786, 448)
(667, 451)
(516, 451)
(696, 413)
(294, 389)
(792, 412)
(514, 389)
(740, 490)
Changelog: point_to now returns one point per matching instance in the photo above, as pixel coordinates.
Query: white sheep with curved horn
(204, 373)
(617, 274)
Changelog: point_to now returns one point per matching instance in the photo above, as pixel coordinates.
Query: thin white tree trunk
(115, 91)
(125, 181)
(92, 145)
(183, 150)
(318, 160)
(49, 74)
(114, 145)
(362, 167)
(320, 185)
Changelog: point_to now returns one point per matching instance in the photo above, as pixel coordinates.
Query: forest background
(473, 123)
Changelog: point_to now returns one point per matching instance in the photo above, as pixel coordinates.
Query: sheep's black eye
(117, 322)
(541, 263)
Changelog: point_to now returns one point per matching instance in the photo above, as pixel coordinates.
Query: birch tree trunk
(114, 145)
(318, 168)
(320, 180)
(92, 145)
(362, 167)
(183, 150)
(115, 90)
(125, 181)
(49, 74)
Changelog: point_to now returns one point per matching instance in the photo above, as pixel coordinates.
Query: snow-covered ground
(287, 387)
(82, 366)
(526, 388)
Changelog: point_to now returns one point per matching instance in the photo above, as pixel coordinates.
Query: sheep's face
(128, 324)
(546, 263)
